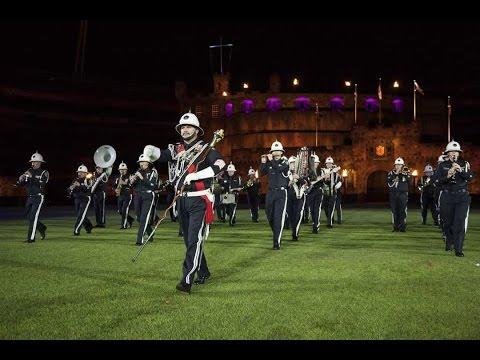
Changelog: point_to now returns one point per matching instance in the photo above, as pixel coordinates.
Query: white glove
(189, 178)
(337, 186)
(202, 174)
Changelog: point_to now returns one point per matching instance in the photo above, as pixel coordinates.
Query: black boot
(184, 288)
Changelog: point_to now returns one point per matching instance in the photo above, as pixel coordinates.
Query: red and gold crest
(380, 150)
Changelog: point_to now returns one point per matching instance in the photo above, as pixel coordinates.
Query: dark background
(127, 97)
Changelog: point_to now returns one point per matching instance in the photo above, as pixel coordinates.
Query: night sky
(443, 56)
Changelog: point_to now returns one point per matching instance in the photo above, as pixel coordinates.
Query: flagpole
(380, 98)
(414, 101)
(355, 98)
(449, 106)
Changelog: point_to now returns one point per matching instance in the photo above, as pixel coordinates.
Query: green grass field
(356, 281)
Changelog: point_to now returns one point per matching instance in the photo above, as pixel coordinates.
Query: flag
(418, 88)
(380, 89)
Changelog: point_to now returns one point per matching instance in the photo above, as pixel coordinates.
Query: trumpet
(26, 175)
(406, 170)
(134, 176)
(264, 156)
(79, 180)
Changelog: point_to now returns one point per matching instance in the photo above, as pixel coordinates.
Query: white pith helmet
(276, 146)
(453, 146)
(122, 166)
(189, 119)
(144, 157)
(231, 167)
(399, 161)
(37, 157)
(428, 168)
(82, 168)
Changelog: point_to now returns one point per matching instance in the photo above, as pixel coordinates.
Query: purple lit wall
(274, 104)
(247, 106)
(337, 103)
(371, 104)
(229, 109)
(397, 105)
(302, 103)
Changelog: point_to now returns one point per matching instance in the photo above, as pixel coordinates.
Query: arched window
(302, 103)
(247, 106)
(397, 105)
(229, 109)
(337, 103)
(371, 104)
(273, 104)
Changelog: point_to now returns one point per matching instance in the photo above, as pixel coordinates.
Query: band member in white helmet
(315, 194)
(123, 191)
(296, 199)
(455, 174)
(253, 187)
(398, 182)
(82, 195)
(193, 179)
(99, 195)
(276, 168)
(232, 184)
(219, 191)
(427, 190)
(144, 182)
(35, 180)
(332, 181)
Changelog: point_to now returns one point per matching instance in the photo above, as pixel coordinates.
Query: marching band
(200, 183)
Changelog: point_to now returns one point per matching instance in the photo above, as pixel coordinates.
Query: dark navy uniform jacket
(398, 182)
(213, 160)
(277, 171)
(148, 183)
(35, 184)
(459, 180)
(125, 190)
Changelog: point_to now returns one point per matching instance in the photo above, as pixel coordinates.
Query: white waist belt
(197, 193)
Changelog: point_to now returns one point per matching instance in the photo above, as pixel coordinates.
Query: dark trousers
(99, 207)
(253, 201)
(455, 209)
(398, 206)
(124, 202)
(153, 213)
(427, 201)
(306, 211)
(144, 203)
(276, 208)
(32, 212)
(231, 211)
(338, 207)
(295, 209)
(81, 208)
(316, 199)
(191, 211)
(329, 205)
(436, 198)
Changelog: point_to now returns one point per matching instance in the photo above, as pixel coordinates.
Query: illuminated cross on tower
(221, 46)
